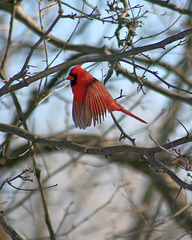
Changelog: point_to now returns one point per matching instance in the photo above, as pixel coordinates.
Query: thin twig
(110, 58)
(9, 42)
(92, 213)
(157, 76)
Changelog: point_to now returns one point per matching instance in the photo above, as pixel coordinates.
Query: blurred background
(51, 193)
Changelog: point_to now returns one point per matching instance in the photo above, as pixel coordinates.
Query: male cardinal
(91, 99)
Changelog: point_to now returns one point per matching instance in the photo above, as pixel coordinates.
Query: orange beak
(71, 78)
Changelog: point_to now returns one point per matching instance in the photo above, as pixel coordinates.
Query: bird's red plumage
(91, 99)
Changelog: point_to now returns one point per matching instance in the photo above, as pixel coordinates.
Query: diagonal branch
(171, 6)
(170, 94)
(22, 16)
(8, 229)
(110, 58)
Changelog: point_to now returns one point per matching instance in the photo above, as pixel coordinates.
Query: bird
(91, 100)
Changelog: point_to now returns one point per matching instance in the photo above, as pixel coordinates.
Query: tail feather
(132, 115)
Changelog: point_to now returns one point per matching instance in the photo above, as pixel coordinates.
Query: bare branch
(171, 6)
(54, 143)
(8, 229)
(110, 58)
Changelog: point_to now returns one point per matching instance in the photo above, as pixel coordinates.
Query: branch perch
(109, 58)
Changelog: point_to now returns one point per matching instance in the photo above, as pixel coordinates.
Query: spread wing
(81, 115)
(96, 102)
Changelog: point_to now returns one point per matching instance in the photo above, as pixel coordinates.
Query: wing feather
(81, 115)
(98, 101)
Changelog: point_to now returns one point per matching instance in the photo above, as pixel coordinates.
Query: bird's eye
(73, 75)
(74, 81)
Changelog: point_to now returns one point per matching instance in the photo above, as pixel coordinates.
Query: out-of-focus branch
(43, 197)
(170, 68)
(23, 71)
(171, 6)
(9, 41)
(54, 143)
(168, 191)
(173, 95)
(147, 154)
(8, 229)
(157, 76)
(22, 16)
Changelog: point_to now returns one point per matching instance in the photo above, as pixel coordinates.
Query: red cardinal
(91, 99)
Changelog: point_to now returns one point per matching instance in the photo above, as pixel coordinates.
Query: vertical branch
(44, 41)
(9, 41)
(2, 69)
(43, 197)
